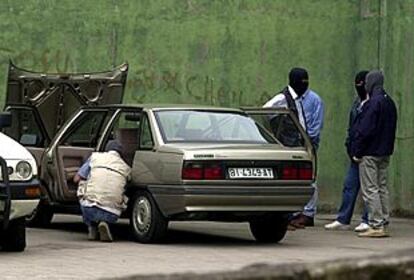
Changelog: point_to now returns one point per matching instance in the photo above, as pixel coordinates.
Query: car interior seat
(129, 139)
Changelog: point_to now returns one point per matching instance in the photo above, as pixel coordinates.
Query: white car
(19, 190)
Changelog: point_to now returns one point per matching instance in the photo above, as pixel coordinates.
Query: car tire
(13, 239)
(269, 229)
(41, 216)
(148, 225)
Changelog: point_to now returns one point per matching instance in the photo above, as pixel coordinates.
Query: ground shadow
(121, 232)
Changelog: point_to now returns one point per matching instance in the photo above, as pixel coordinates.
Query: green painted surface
(231, 53)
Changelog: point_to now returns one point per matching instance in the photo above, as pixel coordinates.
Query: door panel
(70, 160)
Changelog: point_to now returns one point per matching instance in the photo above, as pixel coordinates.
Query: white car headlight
(23, 170)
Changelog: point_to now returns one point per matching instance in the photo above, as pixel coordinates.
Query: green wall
(231, 53)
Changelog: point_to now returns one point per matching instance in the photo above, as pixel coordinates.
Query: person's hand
(357, 160)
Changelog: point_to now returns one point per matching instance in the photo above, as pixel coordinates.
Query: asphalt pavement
(63, 252)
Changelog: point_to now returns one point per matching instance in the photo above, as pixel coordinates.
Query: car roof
(150, 106)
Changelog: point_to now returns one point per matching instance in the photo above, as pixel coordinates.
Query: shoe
(362, 227)
(104, 232)
(374, 233)
(335, 225)
(302, 221)
(93, 233)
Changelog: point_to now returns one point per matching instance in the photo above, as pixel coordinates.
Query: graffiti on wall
(143, 84)
(58, 61)
(200, 88)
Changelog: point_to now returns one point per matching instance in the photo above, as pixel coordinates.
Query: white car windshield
(210, 126)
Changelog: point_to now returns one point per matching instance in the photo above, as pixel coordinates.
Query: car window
(210, 126)
(25, 129)
(87, 129)
(283, 128)
(146, 142)
(125, 129)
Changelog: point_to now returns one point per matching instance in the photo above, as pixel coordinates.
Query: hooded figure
(374, 137)
(375, 127)
(374, 80)
(299, 80)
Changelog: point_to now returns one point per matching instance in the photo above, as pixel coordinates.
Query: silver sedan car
(189, 162)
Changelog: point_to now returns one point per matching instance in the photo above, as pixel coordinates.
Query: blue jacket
(375, 127)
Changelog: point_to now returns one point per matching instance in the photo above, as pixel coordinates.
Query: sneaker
(104, 232)
(336, 226)
(362, 227)
(374, 232)
(93, 233)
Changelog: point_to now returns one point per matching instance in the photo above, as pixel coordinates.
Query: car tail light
(297, 171)
(213, 172)
(192, 171)
(305, 173)
(202, 171)
(289, 173)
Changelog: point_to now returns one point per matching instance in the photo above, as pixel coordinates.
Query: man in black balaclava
(373, 143)
(299, 80)
(351, 184)
(309, 109)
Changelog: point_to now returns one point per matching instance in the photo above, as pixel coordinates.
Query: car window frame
(71, 126)
(146, 118)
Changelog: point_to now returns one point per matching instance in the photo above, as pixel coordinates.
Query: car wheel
(269, 229)
(13, 239)
(41, 216)
(147, 223)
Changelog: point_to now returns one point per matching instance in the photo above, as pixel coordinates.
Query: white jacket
(106, 182)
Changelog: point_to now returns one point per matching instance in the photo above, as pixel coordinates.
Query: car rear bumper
(175, 199)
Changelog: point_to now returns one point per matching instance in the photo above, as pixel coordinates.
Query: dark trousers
(349, 196)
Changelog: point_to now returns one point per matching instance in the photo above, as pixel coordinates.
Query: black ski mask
(360, 84)
(299, 80)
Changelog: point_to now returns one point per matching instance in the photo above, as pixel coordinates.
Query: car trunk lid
(56, 96)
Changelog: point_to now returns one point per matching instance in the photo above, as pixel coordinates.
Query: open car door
(40, 104)
(284, 126)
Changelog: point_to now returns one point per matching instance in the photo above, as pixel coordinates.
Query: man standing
(309, 109)
(374, 133)
(351, 183)
(101, 196)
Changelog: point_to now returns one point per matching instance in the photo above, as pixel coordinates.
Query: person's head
(299, 80)
(374, 79)
(360, 84)
(114, 145)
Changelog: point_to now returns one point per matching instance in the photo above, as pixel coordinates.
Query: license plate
(249, 172)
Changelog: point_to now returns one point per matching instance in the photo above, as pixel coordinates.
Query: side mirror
(5, 119)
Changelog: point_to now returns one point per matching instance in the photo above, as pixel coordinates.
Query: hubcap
(142, 215)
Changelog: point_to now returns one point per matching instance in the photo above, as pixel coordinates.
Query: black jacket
(352, 117)
(375, 127)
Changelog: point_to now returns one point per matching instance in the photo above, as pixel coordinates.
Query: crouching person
(102, 179)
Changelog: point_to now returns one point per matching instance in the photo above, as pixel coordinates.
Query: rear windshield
(210, 126)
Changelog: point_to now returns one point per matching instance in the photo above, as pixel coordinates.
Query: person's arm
(315, 127)
(83, 172)
(365, 130)
(279, 101)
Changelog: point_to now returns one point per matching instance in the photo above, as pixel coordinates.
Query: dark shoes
(301, 221)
